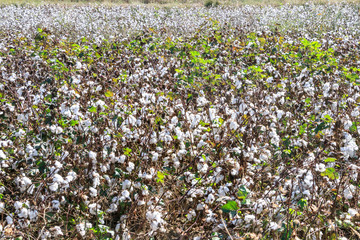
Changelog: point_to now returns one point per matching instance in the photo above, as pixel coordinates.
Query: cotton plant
(113, 127)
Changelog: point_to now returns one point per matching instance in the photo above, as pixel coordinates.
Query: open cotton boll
(82, 228)
(2, 207)
(352, 212)
(2, 155)
(249, 218)
(20, 133)
(54, 186)
(56, 231)
(9, 220)
(94, 208)
(274, 226)
(348, 192)
(93, 192)
(18, 205)
(174, 120)
(131, 167)
(55, 204)
(320, 167)
(233, 125)
(71, 176)
(92, 155)
(131, 120)
(126, 184)
(202, 101)
(23, 213)
(125, 195)
(33, 214)
(58, 178)
(121, 159)
(155, 156)
(56, 129)
(347, 124)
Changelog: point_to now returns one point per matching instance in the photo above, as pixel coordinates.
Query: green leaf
(127, 151)
(92, 109)
(242, 194)
(353, 128)
(230, 206)
(327, 118)
(330, 173)
(221, 121)
(74, 122)
(330, 160)
(302, 129)
(160, 176)
(302, 203)
(109, 94)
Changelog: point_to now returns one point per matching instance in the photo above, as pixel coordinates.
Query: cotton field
(180, 123)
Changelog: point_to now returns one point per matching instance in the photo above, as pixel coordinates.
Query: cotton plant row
(247, 132)
(99, 22)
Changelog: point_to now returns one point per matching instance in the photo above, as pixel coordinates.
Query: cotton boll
(56, 231)
(233, 125)
(210, 198)
(131, 120)
(155, 156)
(20, 133)
(200, 207)
(210, 216)
(355, 113)
(280, 113)
(191, 215)
(54, 186)
(25, 182)
(126, 184)
(201, 144)
(202, 101)
(274, 226)
(33, 215)
(320, 167)
(58, 178)
(81, 229)
(9, 220)
(98, 88)
(125, 236)
(23, 213)
(234, 172)
(71, 176)
(18, 205)
(352, 212)
(125, 195)
(131, 167)
(2, 207)
(92, 155)
(93, 192)
(347, 124)
(56, 129)
(350, 147)
(260, 205)
(2, 155)
(249, 218)
(348, 192)
(55, 204)
(121, 159)
(94, 208)
(174, 120)
(78, 65)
